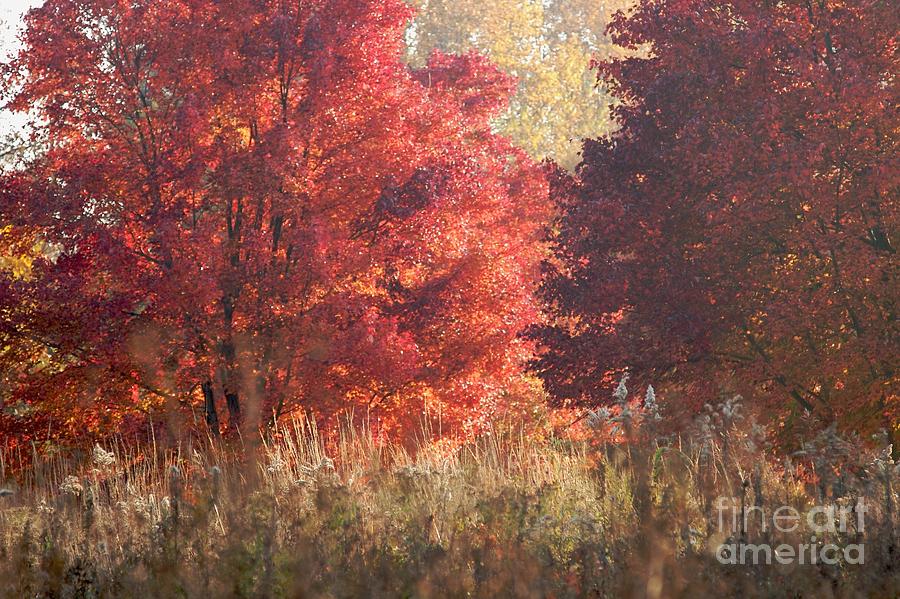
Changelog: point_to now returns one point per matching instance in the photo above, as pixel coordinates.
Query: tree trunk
(232, 400)
(209, 404)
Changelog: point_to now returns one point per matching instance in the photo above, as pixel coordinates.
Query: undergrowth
(623, 513)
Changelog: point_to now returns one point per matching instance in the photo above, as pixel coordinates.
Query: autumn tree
(256, 206)
(548, 47)
(740, 229)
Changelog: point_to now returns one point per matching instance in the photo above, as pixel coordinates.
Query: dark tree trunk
(234, 408)
(231, 383)
(209, 404)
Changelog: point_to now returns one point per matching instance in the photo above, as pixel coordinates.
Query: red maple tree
(253, 206)
(739, 231)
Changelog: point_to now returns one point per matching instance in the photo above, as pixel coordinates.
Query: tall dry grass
(624, 512)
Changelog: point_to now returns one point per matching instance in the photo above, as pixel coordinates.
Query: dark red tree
(739, 230)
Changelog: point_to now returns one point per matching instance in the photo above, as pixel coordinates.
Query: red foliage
(740, 229)
(255, 204)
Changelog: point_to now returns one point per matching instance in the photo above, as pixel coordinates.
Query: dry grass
(506, 515)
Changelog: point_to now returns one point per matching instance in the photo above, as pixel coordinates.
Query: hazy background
(11, 13)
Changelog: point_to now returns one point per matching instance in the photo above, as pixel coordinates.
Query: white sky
(11, 12)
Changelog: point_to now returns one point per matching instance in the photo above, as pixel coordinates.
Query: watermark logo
(820, 522)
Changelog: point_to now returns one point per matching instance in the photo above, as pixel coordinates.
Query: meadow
(510, 514)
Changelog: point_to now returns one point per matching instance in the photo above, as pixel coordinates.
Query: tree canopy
(739, 230)
(256, 206)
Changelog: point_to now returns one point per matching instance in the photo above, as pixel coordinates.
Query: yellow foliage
(14, 261)
(548, 46)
